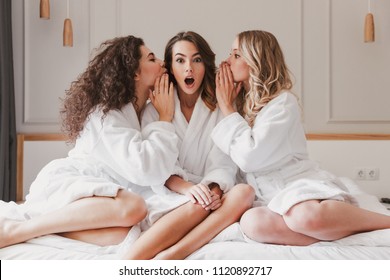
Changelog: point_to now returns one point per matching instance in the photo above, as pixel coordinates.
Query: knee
(194, 212)
(195, 209)
(249, 222)
(308, 217)
(257, 224)
(132, 210)
(244, 194)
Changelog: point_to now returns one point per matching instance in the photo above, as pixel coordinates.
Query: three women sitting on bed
(91, 194)
(199, 199)
(97, 193)
(262, 132)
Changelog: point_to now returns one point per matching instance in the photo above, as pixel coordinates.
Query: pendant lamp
(44, 9)
(369, 28)
(68, 31)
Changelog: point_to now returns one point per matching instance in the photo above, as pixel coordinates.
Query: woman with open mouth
(200, 199)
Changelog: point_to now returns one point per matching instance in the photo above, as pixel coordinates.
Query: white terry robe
(199, 160)
(111, 153)
(274, 157)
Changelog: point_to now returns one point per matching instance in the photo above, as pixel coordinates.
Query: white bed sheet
(230, 244)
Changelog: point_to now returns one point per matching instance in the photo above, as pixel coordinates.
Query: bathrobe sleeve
(144, 158)
(149, 116)
(268, 142)
(220, 169)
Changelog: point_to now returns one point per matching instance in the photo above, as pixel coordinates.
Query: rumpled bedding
(229, 244)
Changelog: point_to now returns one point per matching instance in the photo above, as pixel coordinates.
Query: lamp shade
(44, 9)
(68, 33)
(369, 28)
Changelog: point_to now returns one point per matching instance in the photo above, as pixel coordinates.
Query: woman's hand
(200, 194)
(216, 195)
(215, 204)
(163, 99)
(226, 91)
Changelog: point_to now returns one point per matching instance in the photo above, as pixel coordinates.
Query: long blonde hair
(268, 72)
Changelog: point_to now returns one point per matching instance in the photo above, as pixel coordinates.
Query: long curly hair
(208, 57)
(269, 74)
(107, 84)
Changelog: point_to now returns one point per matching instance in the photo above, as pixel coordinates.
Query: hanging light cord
(67, 8)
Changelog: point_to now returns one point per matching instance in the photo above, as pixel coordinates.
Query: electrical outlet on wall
(372, 173)
(360, 173)
(366, 173)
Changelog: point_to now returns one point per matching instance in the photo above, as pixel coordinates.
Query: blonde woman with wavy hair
(267, 79)
(297, 202)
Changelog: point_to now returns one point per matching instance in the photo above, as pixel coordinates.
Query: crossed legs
(98, 220)
(309, 222)
(187, 228)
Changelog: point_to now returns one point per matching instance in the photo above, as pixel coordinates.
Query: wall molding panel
(344, 78)
(356, 95)
(340, 80)
(48, 67)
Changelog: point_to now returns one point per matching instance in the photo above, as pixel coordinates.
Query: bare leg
(167, 231)
(234, 204)
(262, 225)
(124, 210)
(101, 237)
(331, 219)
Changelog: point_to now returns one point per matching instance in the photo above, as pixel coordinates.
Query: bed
(230, 244)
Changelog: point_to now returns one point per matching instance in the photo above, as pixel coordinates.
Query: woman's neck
(187, 100)
(140, 103)
(187, 103)
(247, 86)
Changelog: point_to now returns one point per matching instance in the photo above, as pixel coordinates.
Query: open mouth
(189, 81)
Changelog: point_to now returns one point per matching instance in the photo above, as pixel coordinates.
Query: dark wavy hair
(208, 57)
(107, 83)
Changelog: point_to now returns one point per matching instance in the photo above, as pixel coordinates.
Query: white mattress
(230, 244)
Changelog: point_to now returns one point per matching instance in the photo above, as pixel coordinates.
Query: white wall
(342, 81)
(343, 158)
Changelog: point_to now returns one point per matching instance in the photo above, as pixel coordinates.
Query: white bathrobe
(274, 158)
(111, 153)
(199, 161)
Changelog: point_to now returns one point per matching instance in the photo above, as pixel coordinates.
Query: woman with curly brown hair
(93, 195)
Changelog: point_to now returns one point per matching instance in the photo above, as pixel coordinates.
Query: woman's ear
(137, 76)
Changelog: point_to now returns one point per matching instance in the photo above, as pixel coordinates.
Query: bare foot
(6, 229)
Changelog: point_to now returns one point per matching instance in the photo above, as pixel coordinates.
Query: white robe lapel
(189, 132)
